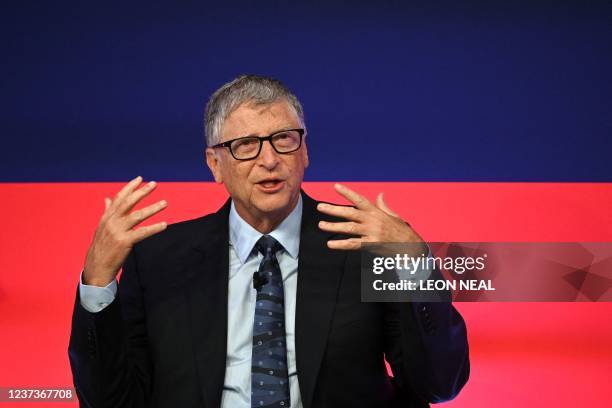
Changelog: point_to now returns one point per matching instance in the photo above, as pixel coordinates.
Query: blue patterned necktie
(269, 372)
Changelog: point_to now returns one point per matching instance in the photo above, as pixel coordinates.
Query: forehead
(259, 120)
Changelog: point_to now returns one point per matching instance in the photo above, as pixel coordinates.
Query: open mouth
(270, 185)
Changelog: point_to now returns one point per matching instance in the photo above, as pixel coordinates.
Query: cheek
(296, 168)
(239, 176)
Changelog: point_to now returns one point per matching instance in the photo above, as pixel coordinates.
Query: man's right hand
(115, 235)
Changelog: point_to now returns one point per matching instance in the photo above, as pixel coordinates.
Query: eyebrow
(285, 128)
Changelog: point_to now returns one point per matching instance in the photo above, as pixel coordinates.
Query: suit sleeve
(108, 350)
(427, 348)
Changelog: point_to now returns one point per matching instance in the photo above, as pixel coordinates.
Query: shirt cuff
(421, 273)
(95, 298)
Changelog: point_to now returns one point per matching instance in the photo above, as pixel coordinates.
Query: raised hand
(368, 222)
(116, 235)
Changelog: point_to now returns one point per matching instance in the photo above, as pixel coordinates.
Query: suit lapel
(207, 298)
(319, 274)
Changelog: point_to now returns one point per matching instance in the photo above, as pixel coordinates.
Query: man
(259, 303)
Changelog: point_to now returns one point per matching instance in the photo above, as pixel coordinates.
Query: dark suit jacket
(162, 341)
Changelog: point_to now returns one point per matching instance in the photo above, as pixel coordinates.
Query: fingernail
(163, 202)
(152, 183)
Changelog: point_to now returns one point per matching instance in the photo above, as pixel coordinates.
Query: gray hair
(246, 88)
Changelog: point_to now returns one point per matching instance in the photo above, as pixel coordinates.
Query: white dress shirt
(244, 261)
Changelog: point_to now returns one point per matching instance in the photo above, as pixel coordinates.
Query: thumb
(380, 203)
(107, 203)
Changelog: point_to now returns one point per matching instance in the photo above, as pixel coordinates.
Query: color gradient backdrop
(480, 122)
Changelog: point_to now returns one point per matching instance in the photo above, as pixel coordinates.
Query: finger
(145, 232)
(350, 228)
(129, 187)
(136, 196)
(350, 244)
(360, 201)
(380, 203)
(107, 203)
(139, 216)
(341, 211)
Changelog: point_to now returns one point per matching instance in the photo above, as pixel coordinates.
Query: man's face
(269, 185)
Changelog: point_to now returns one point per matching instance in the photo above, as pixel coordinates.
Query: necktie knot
(267, 245)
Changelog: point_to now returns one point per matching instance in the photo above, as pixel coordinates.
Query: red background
(523, 354)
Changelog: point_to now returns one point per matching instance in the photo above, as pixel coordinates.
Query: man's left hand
(369, 222)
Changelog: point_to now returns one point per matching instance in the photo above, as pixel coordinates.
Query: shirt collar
(243, 236)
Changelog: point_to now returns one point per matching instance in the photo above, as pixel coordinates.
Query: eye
(246, 143)
(286, 140)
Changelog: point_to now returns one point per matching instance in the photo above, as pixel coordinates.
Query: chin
(271, 203)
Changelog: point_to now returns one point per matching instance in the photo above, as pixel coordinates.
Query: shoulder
(310, 211)
(180, 232)
(179, 239)
(168, 261)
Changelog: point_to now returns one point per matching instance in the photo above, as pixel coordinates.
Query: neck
(265, 222)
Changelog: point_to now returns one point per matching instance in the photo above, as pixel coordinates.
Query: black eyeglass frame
(262, 139)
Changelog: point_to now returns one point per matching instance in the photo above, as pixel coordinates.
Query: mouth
(270, 185)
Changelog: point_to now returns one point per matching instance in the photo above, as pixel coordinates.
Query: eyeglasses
(249, 147)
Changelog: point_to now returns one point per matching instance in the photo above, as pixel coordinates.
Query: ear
(212, 160)
(304, 150)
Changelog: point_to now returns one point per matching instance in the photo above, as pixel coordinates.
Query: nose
(268, 157)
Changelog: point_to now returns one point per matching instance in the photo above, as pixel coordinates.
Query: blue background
(420, 92)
